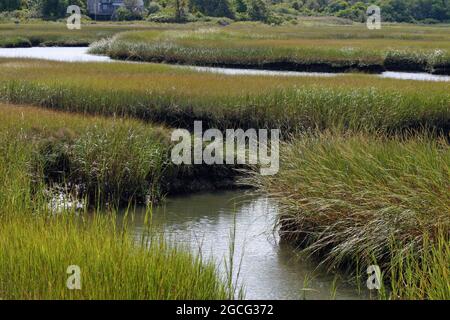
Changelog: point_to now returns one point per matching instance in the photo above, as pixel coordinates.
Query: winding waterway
(80, 54)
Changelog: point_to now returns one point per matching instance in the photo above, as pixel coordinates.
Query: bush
(258, 10)
(153, 7)
(9, 5)
(17, 15)
(214, 8)
(124, 14)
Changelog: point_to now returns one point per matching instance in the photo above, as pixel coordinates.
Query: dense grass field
(305, 46)
(177, 96)
(110, 160)
(302, 47)
(365, 161)
(56, 33)
(37, 244)
(40, 33)
(115, 161)
(357, 200)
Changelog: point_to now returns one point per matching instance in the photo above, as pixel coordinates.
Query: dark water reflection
(269, 270)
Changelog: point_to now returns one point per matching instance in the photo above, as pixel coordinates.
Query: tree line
(257, 10)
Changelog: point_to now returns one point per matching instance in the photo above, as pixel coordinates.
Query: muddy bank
(404, 65)
(272, 66)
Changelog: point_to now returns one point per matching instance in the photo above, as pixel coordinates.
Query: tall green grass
(177, 97)
(113, 161)
(56, 33)
(420, 276)
(108, 160)
(38, 244)
(356, 200)
(36, 250)
(51, 34)
(308, 48)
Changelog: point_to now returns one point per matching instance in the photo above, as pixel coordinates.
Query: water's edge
(269, 269)
(80, 54)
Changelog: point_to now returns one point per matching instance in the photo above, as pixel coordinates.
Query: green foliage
(153, 7)
(427, 11)
(356, 200)
(214, 8)
(240, 5)
(357, 12)
(125, 14)
(53, 9)
(258, 10)
(175, 96)
(332, 178)
(9, 5)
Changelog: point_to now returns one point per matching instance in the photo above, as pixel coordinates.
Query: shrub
(153, 7)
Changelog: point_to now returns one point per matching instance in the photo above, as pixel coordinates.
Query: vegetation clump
(39, 242)
(358, 200)
(289, 48)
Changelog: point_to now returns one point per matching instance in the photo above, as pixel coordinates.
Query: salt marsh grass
(38, 244)
(36, 249)
(57, 34)
(310, 48)
(177, 97)
(52, 34)
(112, 160)
(354, 189)
(356, 200)
(420, 276)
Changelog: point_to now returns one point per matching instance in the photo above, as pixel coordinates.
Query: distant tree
(9, 5)
(153, 7)
(439, 10)
(337, 5)
(297, 5)
(181, 10)
(53, 9)
(356, 12)
(131, 4)
(241, 6)
(258, 10)
(312, 5)
(396, 10)
(214, 8)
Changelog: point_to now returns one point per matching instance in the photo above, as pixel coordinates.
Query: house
(105, 9)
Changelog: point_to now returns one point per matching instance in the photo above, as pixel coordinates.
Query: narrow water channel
(203, 222)
(80, 54)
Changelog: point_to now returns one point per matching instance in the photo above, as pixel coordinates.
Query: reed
(420, 276)
(38, 242)
(106, 161)
(300, 48)
(356, 200)
(40, 33)
(177, 96)
(36, 251)
(57, 34)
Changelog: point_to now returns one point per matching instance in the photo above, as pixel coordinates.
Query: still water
(68, 54)
(77, 54)
(269, 270)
